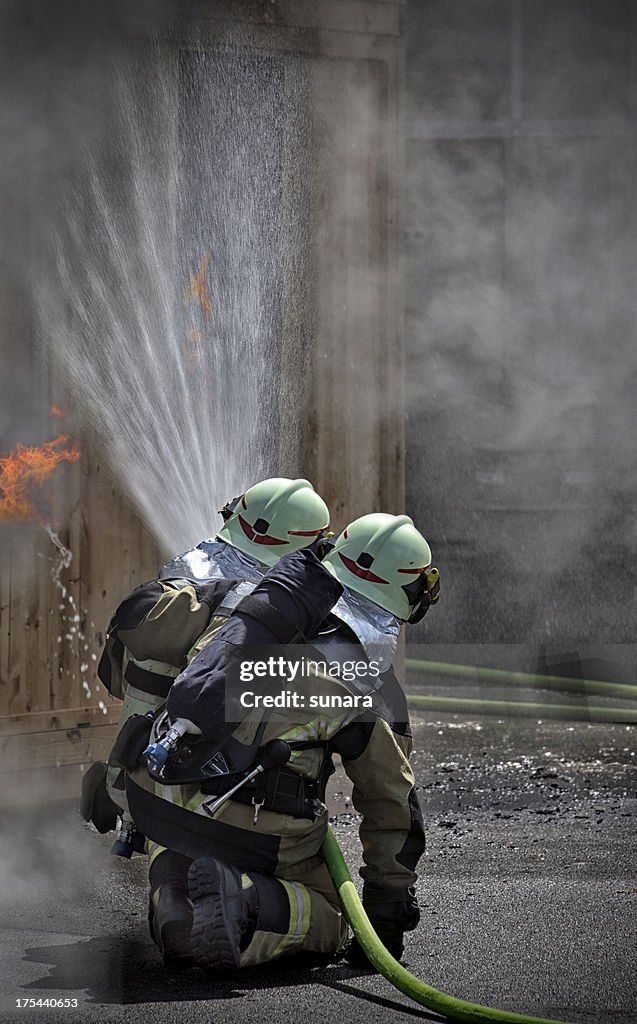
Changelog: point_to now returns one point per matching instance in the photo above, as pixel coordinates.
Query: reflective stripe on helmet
(364, 574)
(258, 538)
(274, 514)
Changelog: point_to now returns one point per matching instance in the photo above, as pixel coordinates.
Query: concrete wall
(520, 326)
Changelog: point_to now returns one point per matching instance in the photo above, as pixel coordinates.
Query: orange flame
(57, 412)
(199, 290)
(22, 473)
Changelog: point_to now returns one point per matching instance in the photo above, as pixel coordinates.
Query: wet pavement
(528, 894)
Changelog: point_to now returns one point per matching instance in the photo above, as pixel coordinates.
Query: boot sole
(217, 899)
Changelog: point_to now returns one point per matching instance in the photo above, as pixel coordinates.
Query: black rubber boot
(171, 923)
(224, 913)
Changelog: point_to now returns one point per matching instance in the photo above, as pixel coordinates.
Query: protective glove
(322, 545)
(95, 802)
(392, 912)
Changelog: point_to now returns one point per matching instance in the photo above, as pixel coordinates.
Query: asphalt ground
(528, 892)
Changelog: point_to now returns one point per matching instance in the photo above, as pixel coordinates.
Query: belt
(277, 789)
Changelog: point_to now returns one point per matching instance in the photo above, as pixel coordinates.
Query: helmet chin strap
(419, 611)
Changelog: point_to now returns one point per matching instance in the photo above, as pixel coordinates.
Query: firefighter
(155, 627)
(239, 880)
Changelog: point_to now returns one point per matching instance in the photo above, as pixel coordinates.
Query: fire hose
(436, 671)
(446, 1005)
(524, 709)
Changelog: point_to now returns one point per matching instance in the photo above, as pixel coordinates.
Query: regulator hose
(399, 976)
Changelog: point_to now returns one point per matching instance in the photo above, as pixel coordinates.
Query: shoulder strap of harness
(282, 630)
(236, 593)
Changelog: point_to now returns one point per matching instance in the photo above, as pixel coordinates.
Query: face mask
(422, 593)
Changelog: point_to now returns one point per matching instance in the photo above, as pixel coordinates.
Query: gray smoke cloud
(521, 346)
(54, 63)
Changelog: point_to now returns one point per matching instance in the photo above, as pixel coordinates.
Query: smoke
(45, 850)
(520, 330)
(53, 62)
(53, 70)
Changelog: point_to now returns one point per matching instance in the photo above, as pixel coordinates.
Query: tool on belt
(274, 754)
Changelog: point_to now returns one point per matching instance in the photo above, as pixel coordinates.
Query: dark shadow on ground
(120, 970)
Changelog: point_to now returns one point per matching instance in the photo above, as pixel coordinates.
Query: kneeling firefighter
(235, 817)
(153, 630)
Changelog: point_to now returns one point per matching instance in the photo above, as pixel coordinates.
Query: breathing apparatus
(422, 593)
(157, 753)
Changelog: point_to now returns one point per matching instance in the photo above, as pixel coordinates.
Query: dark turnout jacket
(288, 604)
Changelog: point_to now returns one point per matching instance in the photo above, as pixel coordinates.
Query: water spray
(422, 993)
(64, 561)
(172, 351)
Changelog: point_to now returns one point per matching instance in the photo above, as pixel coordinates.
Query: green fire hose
(437, 671)
(480, 673)
(524, 709)
(399, 976)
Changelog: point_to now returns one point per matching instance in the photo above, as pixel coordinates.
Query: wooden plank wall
(53, 711)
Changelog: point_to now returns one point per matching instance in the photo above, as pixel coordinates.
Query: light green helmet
(384, 558)
(274, 517)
